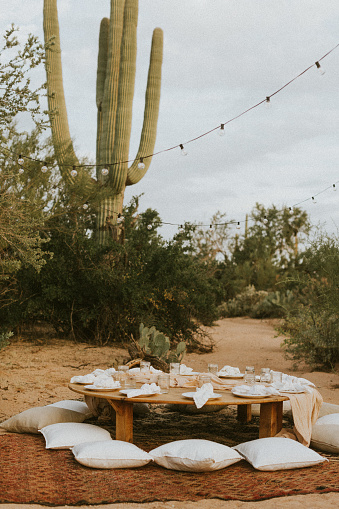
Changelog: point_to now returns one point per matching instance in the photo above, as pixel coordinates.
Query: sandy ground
(36, 372)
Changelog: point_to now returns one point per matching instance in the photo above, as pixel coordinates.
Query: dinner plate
(126, 391)
(239, 375)
(257, 396)
(192, 394)
(190, 374)
(93, 388)
(291, 392)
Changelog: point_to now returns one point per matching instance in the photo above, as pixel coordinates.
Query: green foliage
(155, 343)
(16, 95)
(312, 327)
(4, 339)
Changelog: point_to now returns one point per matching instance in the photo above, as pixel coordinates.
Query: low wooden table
(271, 408)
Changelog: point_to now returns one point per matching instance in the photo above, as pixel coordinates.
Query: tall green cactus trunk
(114, 98)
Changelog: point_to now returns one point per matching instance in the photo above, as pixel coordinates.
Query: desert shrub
(4, 339)
(102, 294)
(312, 327)
(243, 303)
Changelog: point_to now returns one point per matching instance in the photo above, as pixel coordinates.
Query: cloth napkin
(185, 370)
(110, 371)
(144, 390)
(295, 380)
(202, 395)
(85, 379)
(229, 370)
(102, 382)
(290, 386)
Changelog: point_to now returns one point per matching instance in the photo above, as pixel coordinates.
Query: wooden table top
(175, 396)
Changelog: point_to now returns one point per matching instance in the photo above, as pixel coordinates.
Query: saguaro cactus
(114, 97)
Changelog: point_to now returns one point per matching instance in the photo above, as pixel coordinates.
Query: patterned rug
(32, 474)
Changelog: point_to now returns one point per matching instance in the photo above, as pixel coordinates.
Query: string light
(44, 168)
(238, 225)
(21, 160)
(265, 220)
(141, 164)
(320, 69)
(183, 151)
(149, 227)
(21, 171)
(181, 229)
(74, 173)
(85, 205)
(221, 131)
(334, 187)
(268, 102)
(314, 200)
(104, 171)
(120, 219)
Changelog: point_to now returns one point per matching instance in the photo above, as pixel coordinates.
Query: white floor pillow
(33, 419)
(68, 434)
(328, 408)
(110, 454)
(76, 406)
(278, 453)
(194, 455)
(325, 433)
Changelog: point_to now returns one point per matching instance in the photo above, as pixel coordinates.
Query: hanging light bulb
(120, 219)
(74, 173)
(265, 220)
(21, 160)
(334, 187)
(238, 226)
(85, 205)
(320, 69)
(268, 102)
(181, 229)
(44, 168)
(104, 171)
(141, 164)
(314, 200)
(149, 227)
(221, 131)
(183, 151)
(21, 170)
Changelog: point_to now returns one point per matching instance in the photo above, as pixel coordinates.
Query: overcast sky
(221, 57)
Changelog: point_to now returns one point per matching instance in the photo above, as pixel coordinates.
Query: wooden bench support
(270, 419)
(123, 420)
(244, 413)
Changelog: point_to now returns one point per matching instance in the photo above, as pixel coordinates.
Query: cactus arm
(110, 96)
(123, 122)
(152, 100)
(62, 141)
(101, 76)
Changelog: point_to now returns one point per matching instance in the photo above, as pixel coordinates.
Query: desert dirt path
(35, 373)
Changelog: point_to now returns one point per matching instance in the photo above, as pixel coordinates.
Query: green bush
(312, 327)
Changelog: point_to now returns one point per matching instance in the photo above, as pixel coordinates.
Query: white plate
(126, 391)
(192, 394)
(239, 375)
(93, 388)
(291, 392)
(242, 395)
(190, 374)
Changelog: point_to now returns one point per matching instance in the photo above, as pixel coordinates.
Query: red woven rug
(32, 474)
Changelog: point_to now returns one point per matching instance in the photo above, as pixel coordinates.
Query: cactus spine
(114, 98)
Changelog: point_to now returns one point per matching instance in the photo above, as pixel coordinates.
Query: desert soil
(36, 372)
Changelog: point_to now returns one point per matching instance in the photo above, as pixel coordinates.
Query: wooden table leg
(270, 419)
(123, 420)
(244, 413)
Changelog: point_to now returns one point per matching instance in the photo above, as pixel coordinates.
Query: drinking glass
(144, 366)
(164, 382)
(265, 375)
(213, 369)
(121, 375)
(249, 375)
(130, 382)
(276, 377)
(203, 379)
(174, 368)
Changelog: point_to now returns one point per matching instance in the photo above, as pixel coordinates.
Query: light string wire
(333, 186)
(199, 136)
